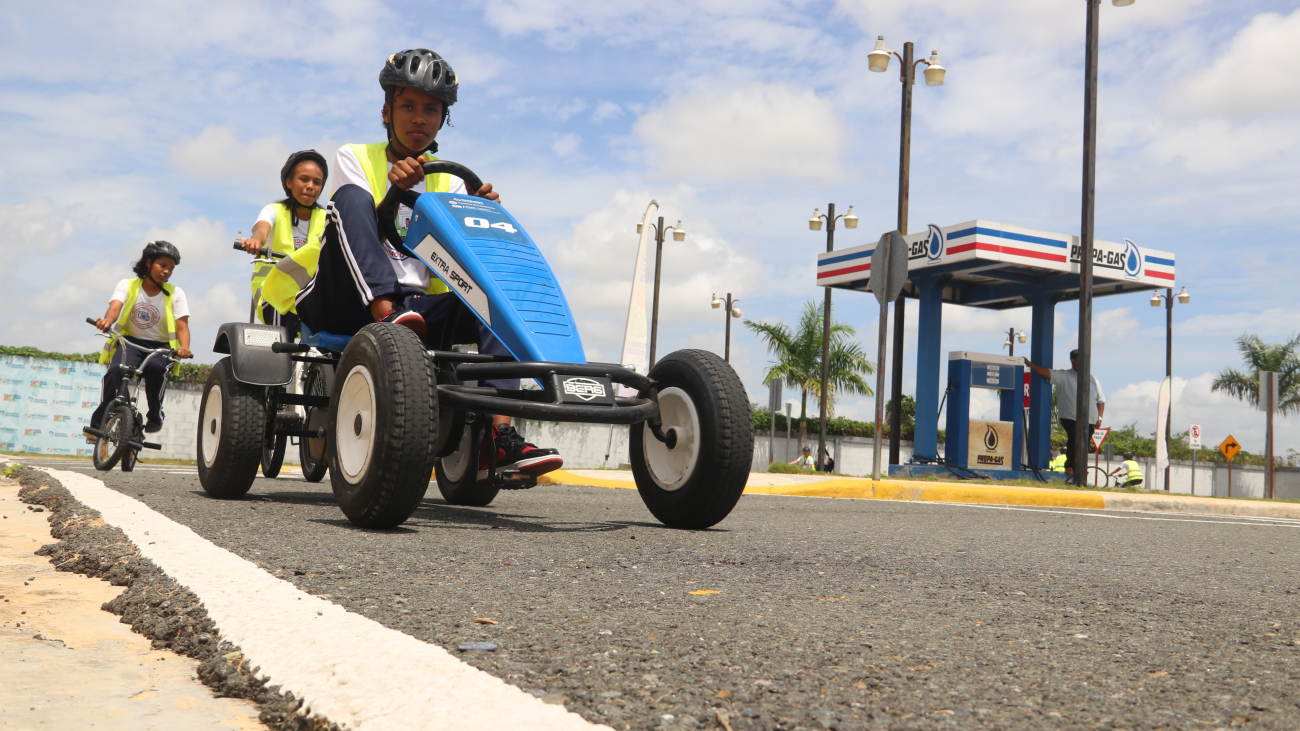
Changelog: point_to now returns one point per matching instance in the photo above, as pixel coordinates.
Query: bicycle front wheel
(117, 430)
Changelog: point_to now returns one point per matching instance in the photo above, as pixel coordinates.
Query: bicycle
(121, 433)
(309, 378)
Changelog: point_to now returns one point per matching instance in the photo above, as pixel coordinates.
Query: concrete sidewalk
(858, 488)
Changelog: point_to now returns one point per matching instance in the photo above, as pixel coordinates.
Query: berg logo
(934, 248)
(1132, 260)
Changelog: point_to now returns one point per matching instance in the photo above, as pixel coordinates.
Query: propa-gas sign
(929, 248)
(1125, 258)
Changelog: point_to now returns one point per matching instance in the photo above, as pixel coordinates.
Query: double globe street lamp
(878, 61)
(815, 224)
(731, 311)
(679, 234)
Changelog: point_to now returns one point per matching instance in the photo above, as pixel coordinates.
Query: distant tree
(799, 360)
(1282, 358)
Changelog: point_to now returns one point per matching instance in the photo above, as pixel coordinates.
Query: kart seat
(322, 340)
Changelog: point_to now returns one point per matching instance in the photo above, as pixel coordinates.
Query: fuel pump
(978, 444)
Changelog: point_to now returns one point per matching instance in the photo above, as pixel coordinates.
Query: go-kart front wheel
(382, 426)
(703, 405)
(458, 473)
(230, 433)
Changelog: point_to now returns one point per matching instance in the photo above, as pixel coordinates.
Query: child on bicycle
(151, 313)
(289, 224)
(358, 278)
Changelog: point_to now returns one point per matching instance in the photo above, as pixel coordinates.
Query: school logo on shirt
(394, 253)
(299, 242)
(145, 316)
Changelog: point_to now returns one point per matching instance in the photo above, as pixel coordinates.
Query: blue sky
(130, 121)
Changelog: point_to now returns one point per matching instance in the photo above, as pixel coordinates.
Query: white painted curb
(352, 670)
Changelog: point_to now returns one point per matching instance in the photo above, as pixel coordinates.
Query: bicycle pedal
(514, 480)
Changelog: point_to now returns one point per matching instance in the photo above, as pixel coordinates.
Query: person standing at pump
(289, 224)
(1066, 384)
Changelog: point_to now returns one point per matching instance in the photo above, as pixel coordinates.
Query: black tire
(116, 427)
(382, 426)
(458, 473)
(311, 452)
(273, 459)
(129, 458)
(697, 483)
(231, 423)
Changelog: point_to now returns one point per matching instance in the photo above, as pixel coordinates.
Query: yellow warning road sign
(1229, 448)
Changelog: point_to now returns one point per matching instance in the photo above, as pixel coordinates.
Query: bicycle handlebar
(111, 334)
(262, 253)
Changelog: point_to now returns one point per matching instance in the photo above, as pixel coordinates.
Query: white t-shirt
(269, 214)
(147, 319)
(1066, 381)
(348, 171)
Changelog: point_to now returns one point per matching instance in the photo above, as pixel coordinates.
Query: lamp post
(815, 224)
(1012, 337)
(1083, 396)
(878, 61)
(679, 234)
(731, 311)
(1169, 296)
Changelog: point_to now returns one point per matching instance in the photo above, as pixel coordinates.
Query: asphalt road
(819, 613)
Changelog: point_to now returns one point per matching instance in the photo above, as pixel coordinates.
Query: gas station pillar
(1043, 334)
(929, 326)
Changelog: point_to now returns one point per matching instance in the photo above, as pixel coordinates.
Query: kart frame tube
(482, 399)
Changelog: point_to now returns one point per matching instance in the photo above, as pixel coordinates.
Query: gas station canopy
(999, 266)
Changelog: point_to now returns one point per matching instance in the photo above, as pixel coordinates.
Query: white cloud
(566, 144)
(725, 133)
(1251, 76)
(36, 227)
(606, 110)
(217, 154)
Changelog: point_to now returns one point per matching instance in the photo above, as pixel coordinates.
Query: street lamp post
(815, 224)
(679, 234)
(1083, 396)
(878, 60)
(730, 312)
(1012, 337)
(1169, 296)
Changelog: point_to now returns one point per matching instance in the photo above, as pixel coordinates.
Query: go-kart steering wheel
(388, 207)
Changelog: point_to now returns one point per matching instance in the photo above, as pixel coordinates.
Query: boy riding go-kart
(404, 400)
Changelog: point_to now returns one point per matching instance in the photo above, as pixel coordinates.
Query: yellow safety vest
(292, 273)
(1134, 471)
(282, 239)
(1058, 464)
(132, 292)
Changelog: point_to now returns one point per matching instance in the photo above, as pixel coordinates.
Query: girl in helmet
(290, 224)
(152, 313)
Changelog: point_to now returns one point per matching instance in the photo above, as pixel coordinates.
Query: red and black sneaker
(408, 318)
(513, 453)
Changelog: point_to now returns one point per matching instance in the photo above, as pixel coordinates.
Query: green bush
(789, 469)
(837, 427)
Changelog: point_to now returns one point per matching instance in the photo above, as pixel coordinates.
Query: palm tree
(799, 360)
(1282, 358)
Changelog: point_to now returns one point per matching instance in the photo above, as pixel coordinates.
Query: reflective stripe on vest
(281, 239)
(1134, 471)
(132, 293)
(374, 162)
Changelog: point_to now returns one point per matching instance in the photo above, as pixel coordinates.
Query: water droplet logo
(1132, 260)
(934, 250)
(991, 439)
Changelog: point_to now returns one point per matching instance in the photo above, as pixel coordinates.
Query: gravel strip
(156, 607)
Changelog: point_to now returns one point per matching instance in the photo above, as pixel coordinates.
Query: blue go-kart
(382, 409)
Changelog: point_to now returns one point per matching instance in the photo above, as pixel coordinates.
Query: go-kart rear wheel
(311, 452)
(382, 426)
(697, 482)
(117, 430)
(458, 472)
(230, 433)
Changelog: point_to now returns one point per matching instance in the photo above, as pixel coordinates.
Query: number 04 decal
(471, 222)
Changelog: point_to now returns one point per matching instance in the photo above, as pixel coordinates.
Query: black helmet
(156, 249)
(1128, 455)
(422, 70)
(303, 156)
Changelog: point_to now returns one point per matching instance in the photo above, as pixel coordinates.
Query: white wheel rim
(354, 428)
(210, 425)
(671, 468)
(455, 464)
